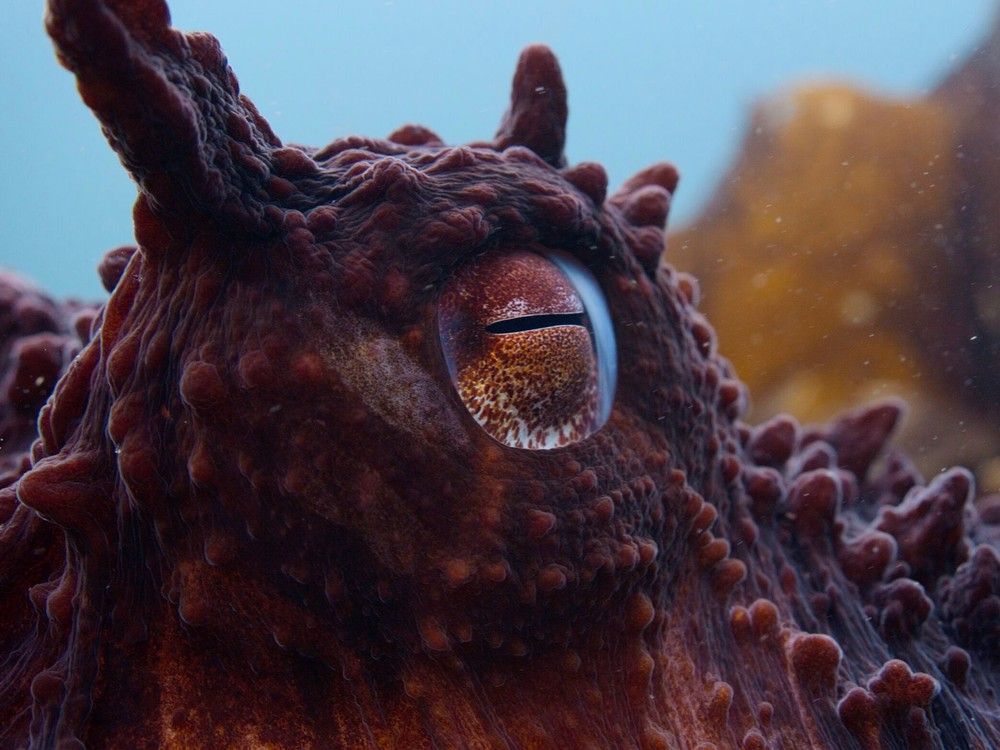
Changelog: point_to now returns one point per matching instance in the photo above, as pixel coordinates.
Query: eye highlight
(529, 347)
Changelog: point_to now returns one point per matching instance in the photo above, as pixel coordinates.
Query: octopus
(393, 444)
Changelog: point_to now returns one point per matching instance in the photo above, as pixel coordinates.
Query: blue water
(647, 81)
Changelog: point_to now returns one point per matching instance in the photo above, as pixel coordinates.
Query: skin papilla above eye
(529, 347)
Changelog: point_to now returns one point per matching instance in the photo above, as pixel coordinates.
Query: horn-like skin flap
(663, 174)
(648, 207)
(169, 105)
(591, 178)
(537, 115)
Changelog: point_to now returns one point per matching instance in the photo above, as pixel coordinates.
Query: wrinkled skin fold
(258, 514)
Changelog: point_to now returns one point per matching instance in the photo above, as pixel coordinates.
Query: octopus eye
(530, 348)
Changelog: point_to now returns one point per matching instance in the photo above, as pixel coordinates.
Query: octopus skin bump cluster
(391, 444)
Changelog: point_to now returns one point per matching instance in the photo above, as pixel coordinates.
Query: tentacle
(537, 115)
(170, 106)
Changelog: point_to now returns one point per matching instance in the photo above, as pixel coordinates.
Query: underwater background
(828, 288)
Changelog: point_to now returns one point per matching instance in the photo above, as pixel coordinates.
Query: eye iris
(535, 389)
(520, 348)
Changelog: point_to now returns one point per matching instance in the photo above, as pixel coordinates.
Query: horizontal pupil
(534, 322)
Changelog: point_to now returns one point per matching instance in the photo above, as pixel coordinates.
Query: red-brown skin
(259, 515)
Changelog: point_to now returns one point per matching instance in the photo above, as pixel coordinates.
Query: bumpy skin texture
(257, 513)
(38, 339)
